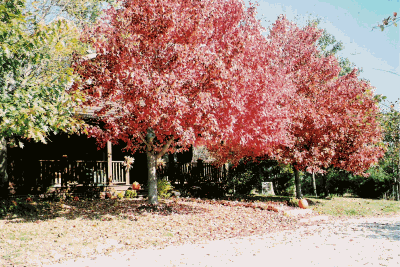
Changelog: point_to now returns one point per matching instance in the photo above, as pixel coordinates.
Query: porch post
(109, 163)
(127, 182)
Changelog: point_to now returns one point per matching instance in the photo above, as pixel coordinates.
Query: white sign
(267, 188)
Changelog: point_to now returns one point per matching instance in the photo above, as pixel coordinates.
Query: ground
(350, 242)
(82, 230)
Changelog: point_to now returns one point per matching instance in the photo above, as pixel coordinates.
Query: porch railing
(193, 172)
(81, 172)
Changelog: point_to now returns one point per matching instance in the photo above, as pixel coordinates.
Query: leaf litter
(86, 228)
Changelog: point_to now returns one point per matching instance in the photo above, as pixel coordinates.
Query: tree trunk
(314, 184)
(326, 189)
(152, 164)
(298, 184)
(397, 190)
(152, 178)
(3, 168)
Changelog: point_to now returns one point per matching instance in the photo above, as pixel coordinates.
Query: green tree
(391, 162)
(36, 48)
(329, 45)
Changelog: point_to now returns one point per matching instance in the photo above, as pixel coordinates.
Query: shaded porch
(69, 161)
(93, 173)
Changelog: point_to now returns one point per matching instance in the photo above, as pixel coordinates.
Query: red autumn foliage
(334, 120)
(174, 73)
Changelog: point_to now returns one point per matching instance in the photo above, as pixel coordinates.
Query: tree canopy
(36, 47)
(35, 70)
(174, 73)
(333, 117)
(169, 74)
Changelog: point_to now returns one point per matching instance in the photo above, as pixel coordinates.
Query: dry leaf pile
(86, 228)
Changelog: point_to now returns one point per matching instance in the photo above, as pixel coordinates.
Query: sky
(351, 21)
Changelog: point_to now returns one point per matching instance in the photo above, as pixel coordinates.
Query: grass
(355, 207)
(341, 206)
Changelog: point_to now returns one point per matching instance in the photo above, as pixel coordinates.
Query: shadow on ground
(19, 211)
(382, 230)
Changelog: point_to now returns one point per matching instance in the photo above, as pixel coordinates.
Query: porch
(64, 173)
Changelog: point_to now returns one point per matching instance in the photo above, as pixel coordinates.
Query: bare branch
(143, 139)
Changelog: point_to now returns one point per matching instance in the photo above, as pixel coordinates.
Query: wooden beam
(127, 182)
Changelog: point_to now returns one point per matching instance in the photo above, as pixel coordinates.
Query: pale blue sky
(351, 21)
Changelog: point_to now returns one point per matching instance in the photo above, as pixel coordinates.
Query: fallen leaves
(85, 228)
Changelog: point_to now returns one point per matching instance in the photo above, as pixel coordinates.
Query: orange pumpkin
(303, 203)
(135, 186)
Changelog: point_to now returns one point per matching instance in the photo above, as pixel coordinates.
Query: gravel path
(354, 242)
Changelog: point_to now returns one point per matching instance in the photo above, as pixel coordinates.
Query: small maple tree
(174, 73)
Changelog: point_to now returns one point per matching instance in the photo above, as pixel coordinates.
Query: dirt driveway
(354, 242)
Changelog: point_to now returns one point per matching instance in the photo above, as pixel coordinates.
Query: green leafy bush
(211, 190)
(164, 188)
(120, 195)
(339, 182)
(293, 202)
(373, 186)
(130, 194)
(249, 175)
(18, 207)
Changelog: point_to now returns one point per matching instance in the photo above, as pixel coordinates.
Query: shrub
(293, 202)
(18, 207)
(120, 195)
(164, 188)
(130, 194)
(249, 175)
(372, 187)
(211, 190)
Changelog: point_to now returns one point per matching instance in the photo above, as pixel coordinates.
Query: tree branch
(144, 140)
(165, 148)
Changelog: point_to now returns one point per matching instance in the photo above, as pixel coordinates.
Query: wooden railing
(118, 172)
(62, 172)
(193, 172)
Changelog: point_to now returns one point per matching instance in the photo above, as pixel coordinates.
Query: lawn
(37, 233)
(355, 207)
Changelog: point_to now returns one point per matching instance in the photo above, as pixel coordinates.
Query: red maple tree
(174, 73)
(334, 119)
